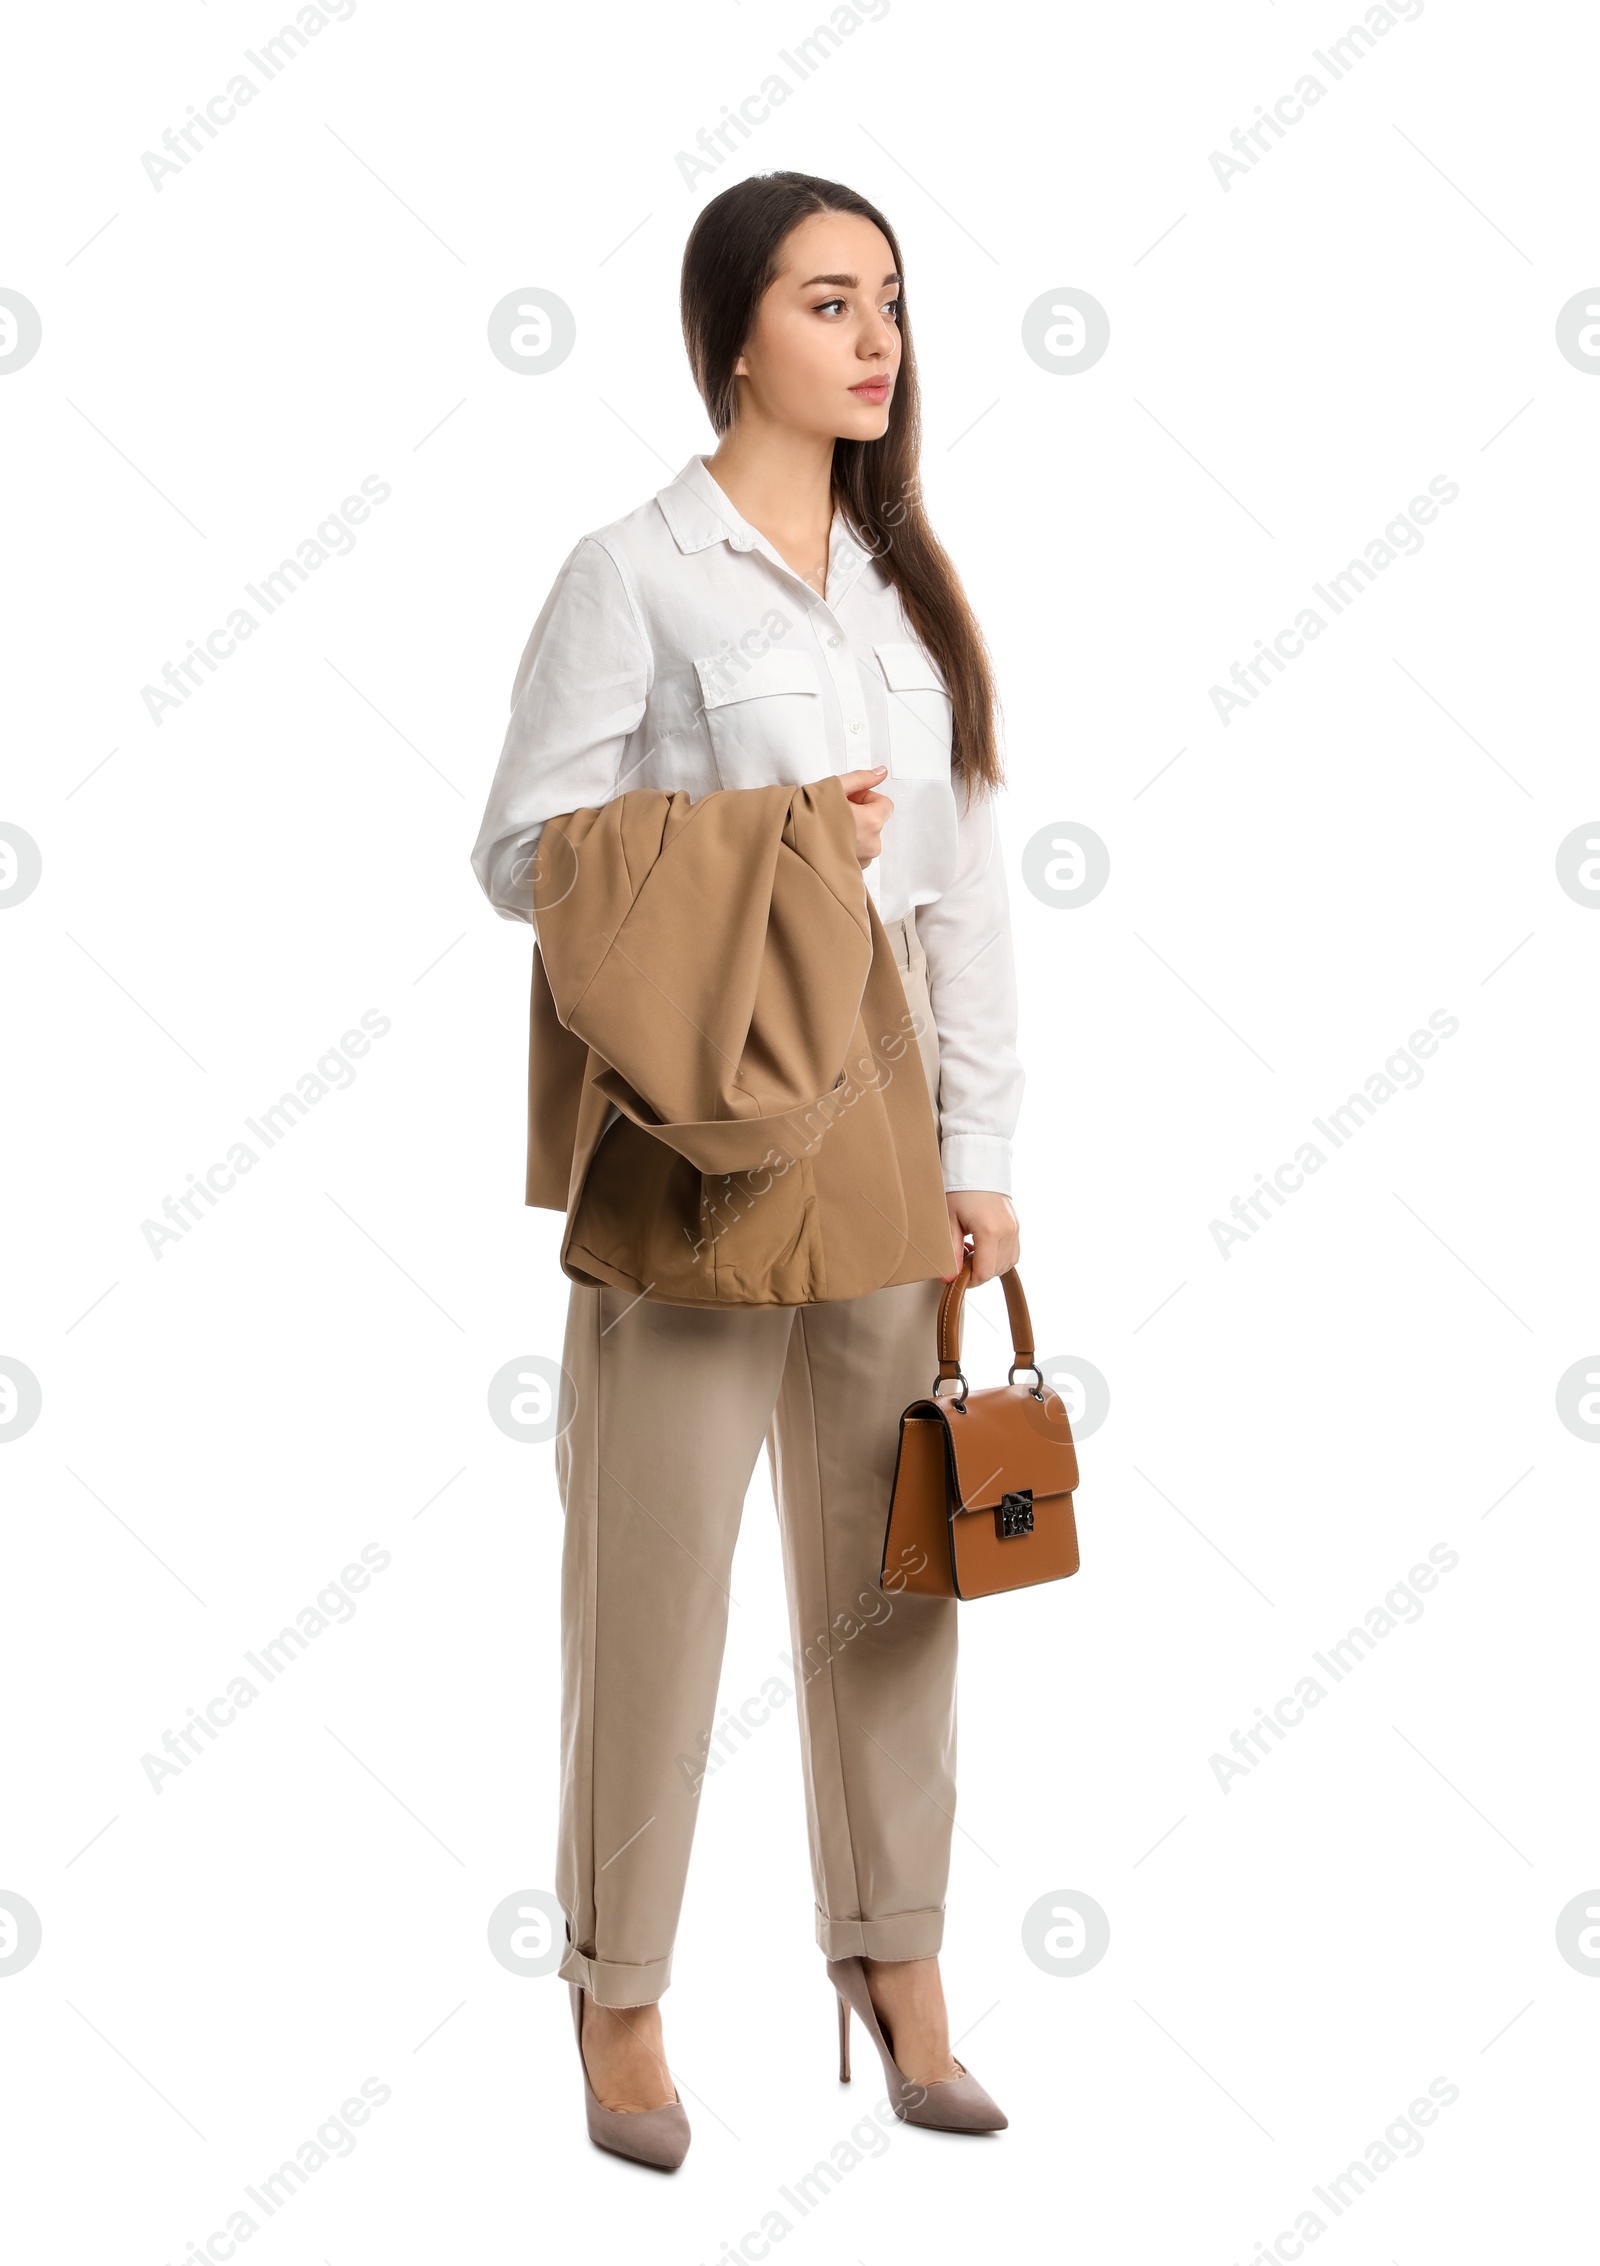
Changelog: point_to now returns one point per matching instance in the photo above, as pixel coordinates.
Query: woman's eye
(890, 307)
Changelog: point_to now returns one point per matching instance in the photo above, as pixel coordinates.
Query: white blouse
(677, 650)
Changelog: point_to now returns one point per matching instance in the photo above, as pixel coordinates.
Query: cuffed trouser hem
(610, 1984)
(902, 1935)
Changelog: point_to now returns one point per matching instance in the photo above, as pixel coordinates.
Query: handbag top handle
(949, 1339)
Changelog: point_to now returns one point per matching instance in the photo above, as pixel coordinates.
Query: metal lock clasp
(1016, 1513)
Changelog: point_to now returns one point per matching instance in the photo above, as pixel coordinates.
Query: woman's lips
(872, 389)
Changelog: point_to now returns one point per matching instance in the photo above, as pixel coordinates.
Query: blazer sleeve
(579, 695)
(713, 954)
(972, 984)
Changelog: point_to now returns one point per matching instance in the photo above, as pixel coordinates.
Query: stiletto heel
(950, 2104)
(658, 2137)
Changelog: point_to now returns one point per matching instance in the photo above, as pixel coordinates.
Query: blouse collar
(699, 514)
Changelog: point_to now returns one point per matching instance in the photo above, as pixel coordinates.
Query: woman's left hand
(991, 1221)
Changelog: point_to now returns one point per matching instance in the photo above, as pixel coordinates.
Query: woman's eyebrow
(849, 281)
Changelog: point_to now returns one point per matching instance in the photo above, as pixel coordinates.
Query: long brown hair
(729, 262)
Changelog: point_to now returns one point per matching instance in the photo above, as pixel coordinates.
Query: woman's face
(824, 351)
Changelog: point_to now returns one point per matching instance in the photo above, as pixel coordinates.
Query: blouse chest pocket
(919, 713)
(765, 718)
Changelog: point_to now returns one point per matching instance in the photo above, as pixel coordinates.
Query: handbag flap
(1006, 1441)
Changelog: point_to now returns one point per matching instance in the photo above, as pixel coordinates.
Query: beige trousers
(671, 1406)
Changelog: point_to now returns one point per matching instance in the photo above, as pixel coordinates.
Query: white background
(1291, 1428)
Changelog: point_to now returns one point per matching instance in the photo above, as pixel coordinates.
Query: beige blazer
(716, 970)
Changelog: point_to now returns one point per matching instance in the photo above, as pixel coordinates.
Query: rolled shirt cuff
(976, 1160)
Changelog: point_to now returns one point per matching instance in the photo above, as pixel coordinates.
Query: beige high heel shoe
(950, 2104)
(658, 2137)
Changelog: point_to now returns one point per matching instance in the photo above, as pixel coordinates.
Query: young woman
(780, 612)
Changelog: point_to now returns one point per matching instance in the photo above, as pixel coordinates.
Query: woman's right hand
(870, 810)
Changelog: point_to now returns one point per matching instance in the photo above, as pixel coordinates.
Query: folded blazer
(725, 1092)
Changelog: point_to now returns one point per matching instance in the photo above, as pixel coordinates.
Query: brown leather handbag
(982, 1493)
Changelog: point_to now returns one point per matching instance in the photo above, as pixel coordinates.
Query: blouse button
(855, 727)
(836, 641)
